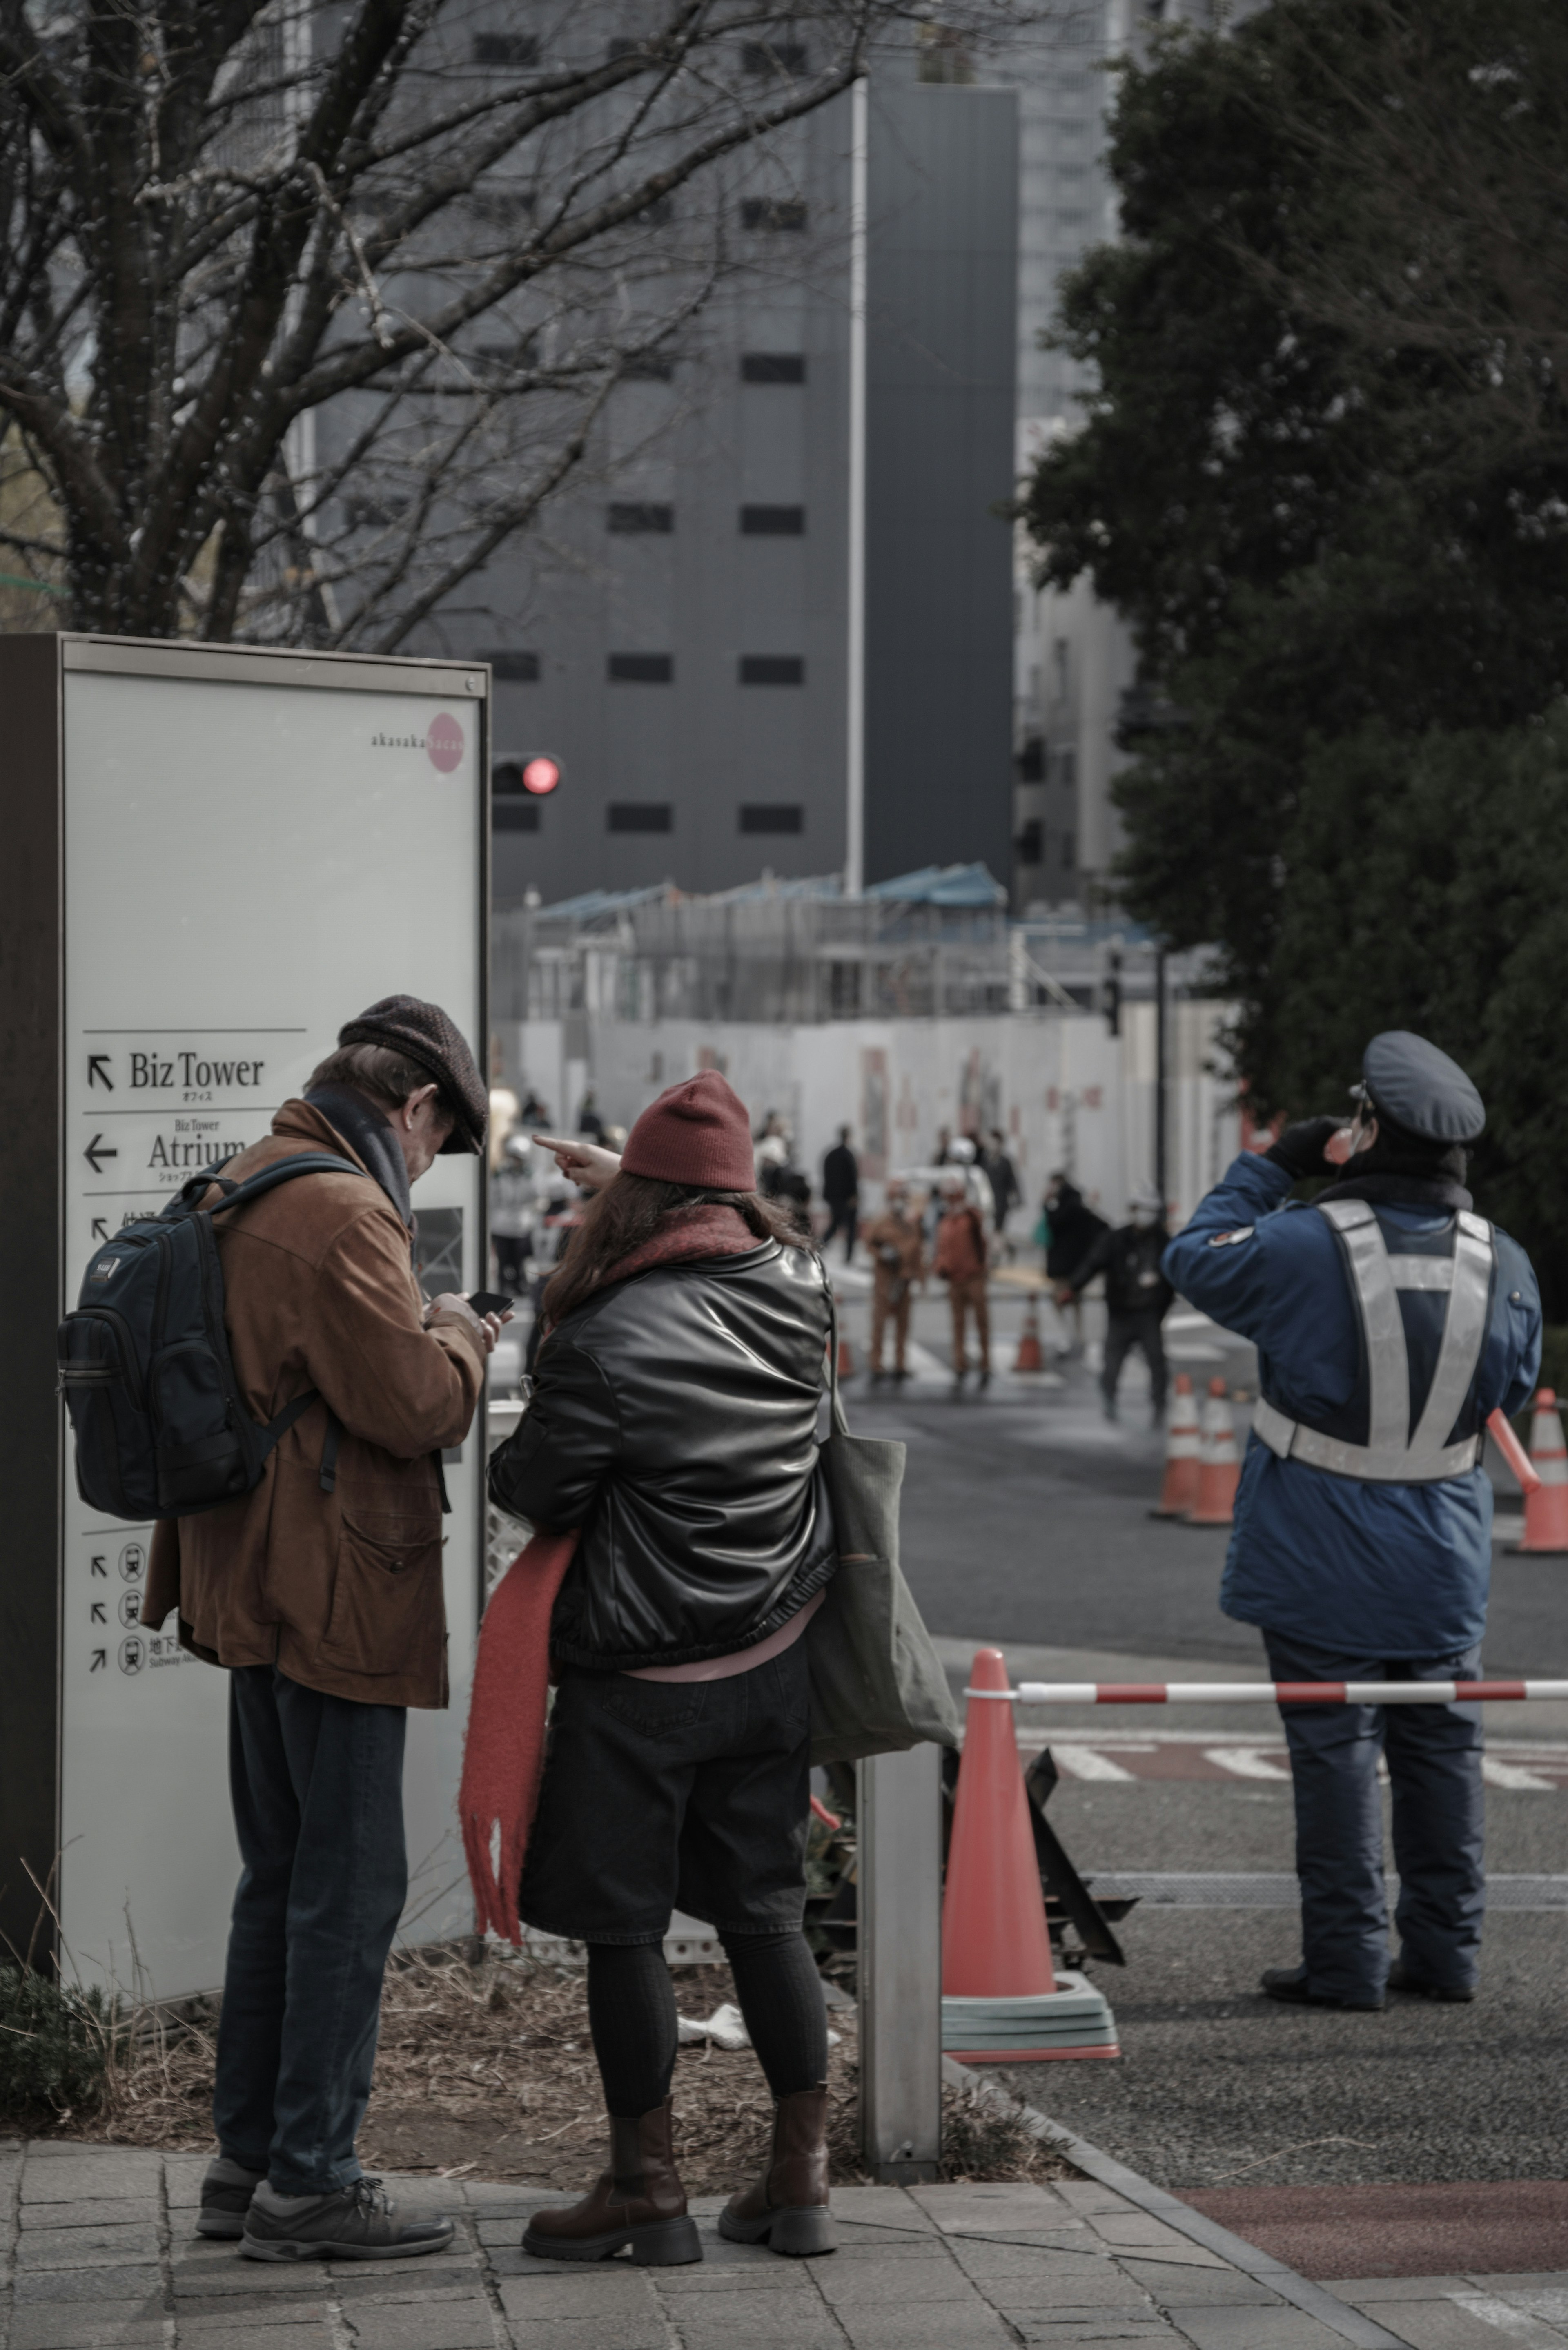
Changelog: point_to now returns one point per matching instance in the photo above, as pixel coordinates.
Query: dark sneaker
(1289, 1984)
(227, 2193)
(1400, 1978)
(358, 2223)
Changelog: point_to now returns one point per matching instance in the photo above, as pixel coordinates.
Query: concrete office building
(683, 637)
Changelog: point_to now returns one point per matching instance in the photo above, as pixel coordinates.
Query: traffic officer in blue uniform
(1389, 1320)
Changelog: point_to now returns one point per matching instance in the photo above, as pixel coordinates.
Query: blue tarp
(942, 885)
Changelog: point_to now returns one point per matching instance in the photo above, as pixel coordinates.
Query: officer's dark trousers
(1434, 1755)
(1123, 1333)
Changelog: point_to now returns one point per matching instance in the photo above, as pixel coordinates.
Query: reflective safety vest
(1461, 1262)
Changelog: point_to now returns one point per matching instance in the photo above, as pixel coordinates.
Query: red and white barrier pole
(1275, 1692)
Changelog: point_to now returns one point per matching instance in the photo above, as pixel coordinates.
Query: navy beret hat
(1419, 1088)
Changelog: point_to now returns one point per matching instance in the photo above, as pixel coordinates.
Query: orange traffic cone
(1179, 1495)
(1546, 1510)
(994, 1941)
(1029, 1357)
(1002, 2001)
(1219, 1463)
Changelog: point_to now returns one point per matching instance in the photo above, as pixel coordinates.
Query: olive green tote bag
(875, 1685)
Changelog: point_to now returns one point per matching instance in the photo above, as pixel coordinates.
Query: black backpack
(162, 1428)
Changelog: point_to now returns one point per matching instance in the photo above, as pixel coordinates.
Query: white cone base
(1075, 2020)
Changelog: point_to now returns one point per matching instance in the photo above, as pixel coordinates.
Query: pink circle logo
(444, 742)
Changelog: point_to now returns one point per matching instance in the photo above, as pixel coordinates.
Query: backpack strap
(284, 1170)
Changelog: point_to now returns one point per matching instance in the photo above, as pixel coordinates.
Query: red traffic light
(541, 775)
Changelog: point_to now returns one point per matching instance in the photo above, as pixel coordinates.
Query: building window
(640, 816)
(773, 522)
(943, 54)
(648, 367)
(511, 668)
(642, 669)
(772, 669)
(769, 212)
(772, 367)
(773, 57)
(631, 516)
(514, 815)
(1030, 844)
(773, 816)
(1067, 848)
(504, 49)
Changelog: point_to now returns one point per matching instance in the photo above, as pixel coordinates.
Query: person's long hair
(628, 1212)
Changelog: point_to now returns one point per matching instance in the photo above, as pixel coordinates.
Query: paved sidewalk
(99, 2249)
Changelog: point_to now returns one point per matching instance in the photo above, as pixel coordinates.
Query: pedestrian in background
(513, 1209)
(1071, 1230)
(321, 1593)
(673, 1422)
(589, 1122)
(898, 1261)
(962, 1260)
(841, 1193)
(1138, 1296)
(1002, 1176)
(1390, 1319)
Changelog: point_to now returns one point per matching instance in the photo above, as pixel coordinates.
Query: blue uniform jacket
(1385, 1570)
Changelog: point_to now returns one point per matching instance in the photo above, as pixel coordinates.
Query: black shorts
(662, 1795)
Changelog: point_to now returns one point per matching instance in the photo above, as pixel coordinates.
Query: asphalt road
(1026, 1523)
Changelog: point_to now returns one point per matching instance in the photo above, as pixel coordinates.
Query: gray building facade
(677, 638)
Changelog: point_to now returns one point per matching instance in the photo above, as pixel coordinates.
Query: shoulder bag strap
(836, 1408)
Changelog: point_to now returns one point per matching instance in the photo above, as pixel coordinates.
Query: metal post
(900, 1970)
(855, 706)
(1159, 1044)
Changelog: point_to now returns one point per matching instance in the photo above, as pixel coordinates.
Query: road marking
(1509, 1775)
(1246, 1762)
(1084, 1762)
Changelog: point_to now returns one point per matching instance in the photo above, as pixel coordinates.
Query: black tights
(631, 2014)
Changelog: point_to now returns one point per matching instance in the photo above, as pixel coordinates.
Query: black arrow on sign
(98, 1071)
(98, 1150)
(100, 1569)
(96, 1614)
(100, 1660)
(100, 1228)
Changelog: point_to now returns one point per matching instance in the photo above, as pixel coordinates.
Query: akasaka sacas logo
(441, 742)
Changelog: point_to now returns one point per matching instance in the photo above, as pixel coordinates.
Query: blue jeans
(317, 1788)
(1434, 1756)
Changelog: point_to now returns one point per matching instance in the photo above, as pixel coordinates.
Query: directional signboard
(216, 857)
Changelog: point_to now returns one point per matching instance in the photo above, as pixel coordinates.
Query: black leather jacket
(674, 1420)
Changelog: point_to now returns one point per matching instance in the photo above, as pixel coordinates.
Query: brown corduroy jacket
(342, 1591)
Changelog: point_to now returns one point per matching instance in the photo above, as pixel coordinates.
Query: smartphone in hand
(489, 1301)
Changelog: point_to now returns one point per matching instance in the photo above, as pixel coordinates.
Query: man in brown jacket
(962, 1260)
(898, 1261)
(321, 1593)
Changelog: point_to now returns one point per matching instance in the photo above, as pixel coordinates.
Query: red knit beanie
(696, 1133)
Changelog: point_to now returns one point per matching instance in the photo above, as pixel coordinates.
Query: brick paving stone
(1174, 2287)
(1002, 2210)
(424, 2325)
(124, 2171)
(865, 2281)
(1279, 2328)
(99, 2247)
(589, 2334)
(707, 2277)
(611, 2288)
(219, 2279)
(1550, 2302)
(1479, 2322)
(90, 2212)
(1010, 2270)
(124, 2283)
(1087, 2195)
(315, 2334)
(1370, 2288)
(261, 2326)
(64, 2327)
(971, 2326)
(1071, 2332)
(1140, 2231)
(887, 2207)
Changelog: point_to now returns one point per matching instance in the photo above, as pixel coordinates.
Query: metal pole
(1160, 1057)
(855, 699)
(899, 1817)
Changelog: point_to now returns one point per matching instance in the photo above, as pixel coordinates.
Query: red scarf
(503, 1755)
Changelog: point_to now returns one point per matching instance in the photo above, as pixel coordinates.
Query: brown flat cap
(423, 1032)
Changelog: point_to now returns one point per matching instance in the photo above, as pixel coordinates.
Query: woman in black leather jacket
(673, 1424)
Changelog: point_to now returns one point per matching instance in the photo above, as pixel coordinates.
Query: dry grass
(486, 2071)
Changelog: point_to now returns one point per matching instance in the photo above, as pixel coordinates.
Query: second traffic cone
(1029, 1357)
(1179, 1495)
(1002, 2001)
(1219, 1462)
(1546, 1510)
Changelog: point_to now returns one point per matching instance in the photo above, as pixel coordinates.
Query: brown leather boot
(787, 2208)
(638, 2200)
